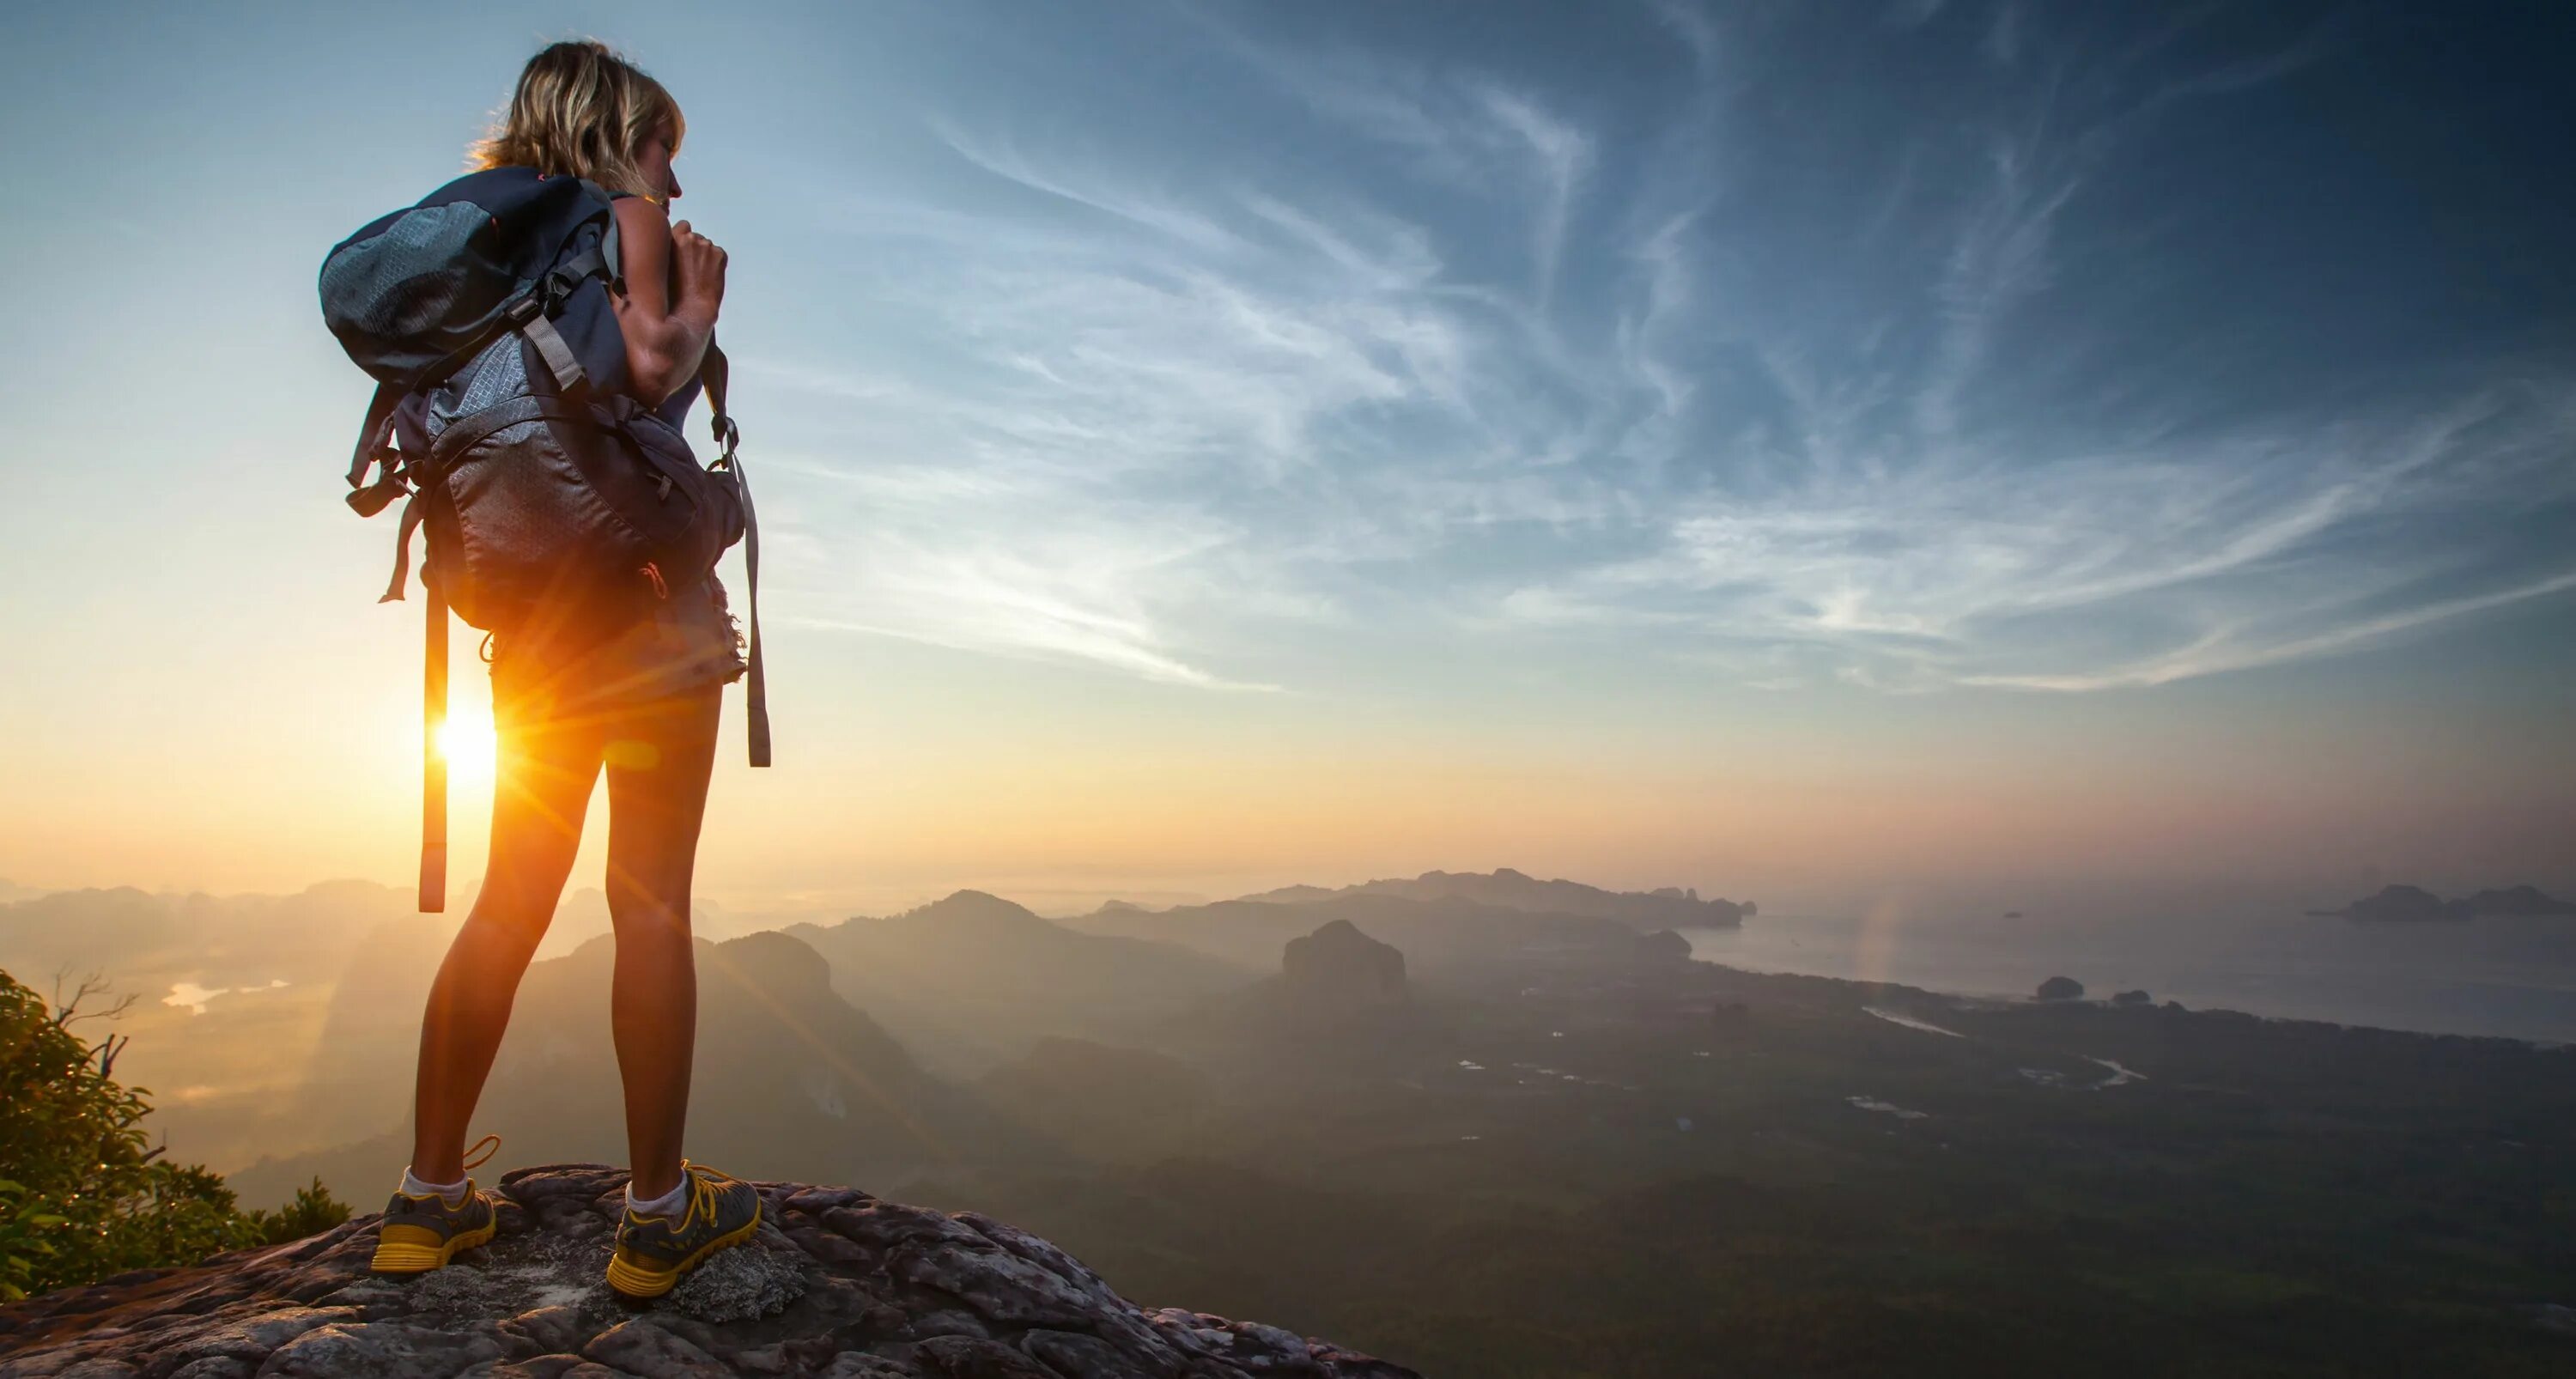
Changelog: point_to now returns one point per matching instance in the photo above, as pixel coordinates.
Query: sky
(1806, 452)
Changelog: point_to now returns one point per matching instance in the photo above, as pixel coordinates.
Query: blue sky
(1938, 349)
(2033, 377)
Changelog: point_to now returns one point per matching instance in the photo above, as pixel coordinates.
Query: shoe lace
(702, 1192)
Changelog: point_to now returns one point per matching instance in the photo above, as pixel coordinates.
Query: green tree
(313, 1211)
(83, 1195)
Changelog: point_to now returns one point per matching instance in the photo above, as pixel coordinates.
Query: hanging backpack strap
(370, 499)
(433, 762)
(402, 550)
(714, 373)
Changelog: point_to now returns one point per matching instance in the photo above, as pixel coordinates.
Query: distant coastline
(2508, 977)
(2415, 905)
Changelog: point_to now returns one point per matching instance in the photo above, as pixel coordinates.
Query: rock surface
(838, 1284)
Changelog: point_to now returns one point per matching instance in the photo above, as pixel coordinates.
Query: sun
(468, 742)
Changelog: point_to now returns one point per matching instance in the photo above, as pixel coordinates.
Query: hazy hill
(1338, 965)
(1337, 1006)
(139, 938)
(2414, 904)
(1665, 908)
(2515, 901)
(1449, 936)
(237, 940)
(232, 996)
(972, 980)
(582, 915)
(789, 1079)
(1104, 1101)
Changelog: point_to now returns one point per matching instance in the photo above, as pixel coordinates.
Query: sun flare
(467, 742)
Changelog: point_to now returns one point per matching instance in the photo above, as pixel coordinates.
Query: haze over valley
(1488, 1095)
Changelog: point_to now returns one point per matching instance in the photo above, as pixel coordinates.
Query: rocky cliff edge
(838, 1284)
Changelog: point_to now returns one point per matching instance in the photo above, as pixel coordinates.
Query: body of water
(2511, 977)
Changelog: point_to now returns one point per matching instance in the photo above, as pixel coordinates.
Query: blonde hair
(581, 110)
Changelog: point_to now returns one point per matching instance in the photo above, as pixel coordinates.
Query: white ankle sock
(452, 1193)
(669, 1204)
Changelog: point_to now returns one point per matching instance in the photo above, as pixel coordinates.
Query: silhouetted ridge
(970, 908)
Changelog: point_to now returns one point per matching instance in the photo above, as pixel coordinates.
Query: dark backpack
(483, 314)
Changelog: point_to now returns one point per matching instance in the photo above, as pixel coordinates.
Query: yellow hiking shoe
(423, 1233)
(653, 1251)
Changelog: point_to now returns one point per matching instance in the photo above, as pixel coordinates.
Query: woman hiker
(641, 704)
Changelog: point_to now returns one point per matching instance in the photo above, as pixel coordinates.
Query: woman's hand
(674, 283)
(698, 266)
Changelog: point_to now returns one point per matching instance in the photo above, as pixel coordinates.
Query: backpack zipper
(653, 571)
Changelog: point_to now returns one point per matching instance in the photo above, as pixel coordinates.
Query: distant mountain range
(2411, 904)
(1669, 907)
(136, 936)
(1440, 938)
(796, 1071)
(975, 981)
(295, 1036)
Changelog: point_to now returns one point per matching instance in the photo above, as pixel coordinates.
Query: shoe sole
(417, 1249)
(644, 1281)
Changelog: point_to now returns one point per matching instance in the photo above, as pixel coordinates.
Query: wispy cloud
(1777, 382)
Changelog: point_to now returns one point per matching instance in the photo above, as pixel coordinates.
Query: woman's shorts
(691, 641)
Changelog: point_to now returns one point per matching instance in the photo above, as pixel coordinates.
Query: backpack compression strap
(531, 316)
(714, 372)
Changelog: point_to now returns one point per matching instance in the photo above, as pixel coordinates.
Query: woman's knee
(649, 895)
(518, 902)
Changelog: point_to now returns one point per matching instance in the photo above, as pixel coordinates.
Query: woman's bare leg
(659, 760)
(542, 780)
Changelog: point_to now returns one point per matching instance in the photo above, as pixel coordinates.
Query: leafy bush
(83, 1195)
(313, 1211)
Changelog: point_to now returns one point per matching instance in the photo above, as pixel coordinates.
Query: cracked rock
(838, 1284)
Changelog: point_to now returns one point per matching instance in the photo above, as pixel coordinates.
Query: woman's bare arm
(674, 287)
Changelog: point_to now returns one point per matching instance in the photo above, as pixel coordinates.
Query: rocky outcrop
(1339, 965)
(2061, 989)
(838, 1285)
